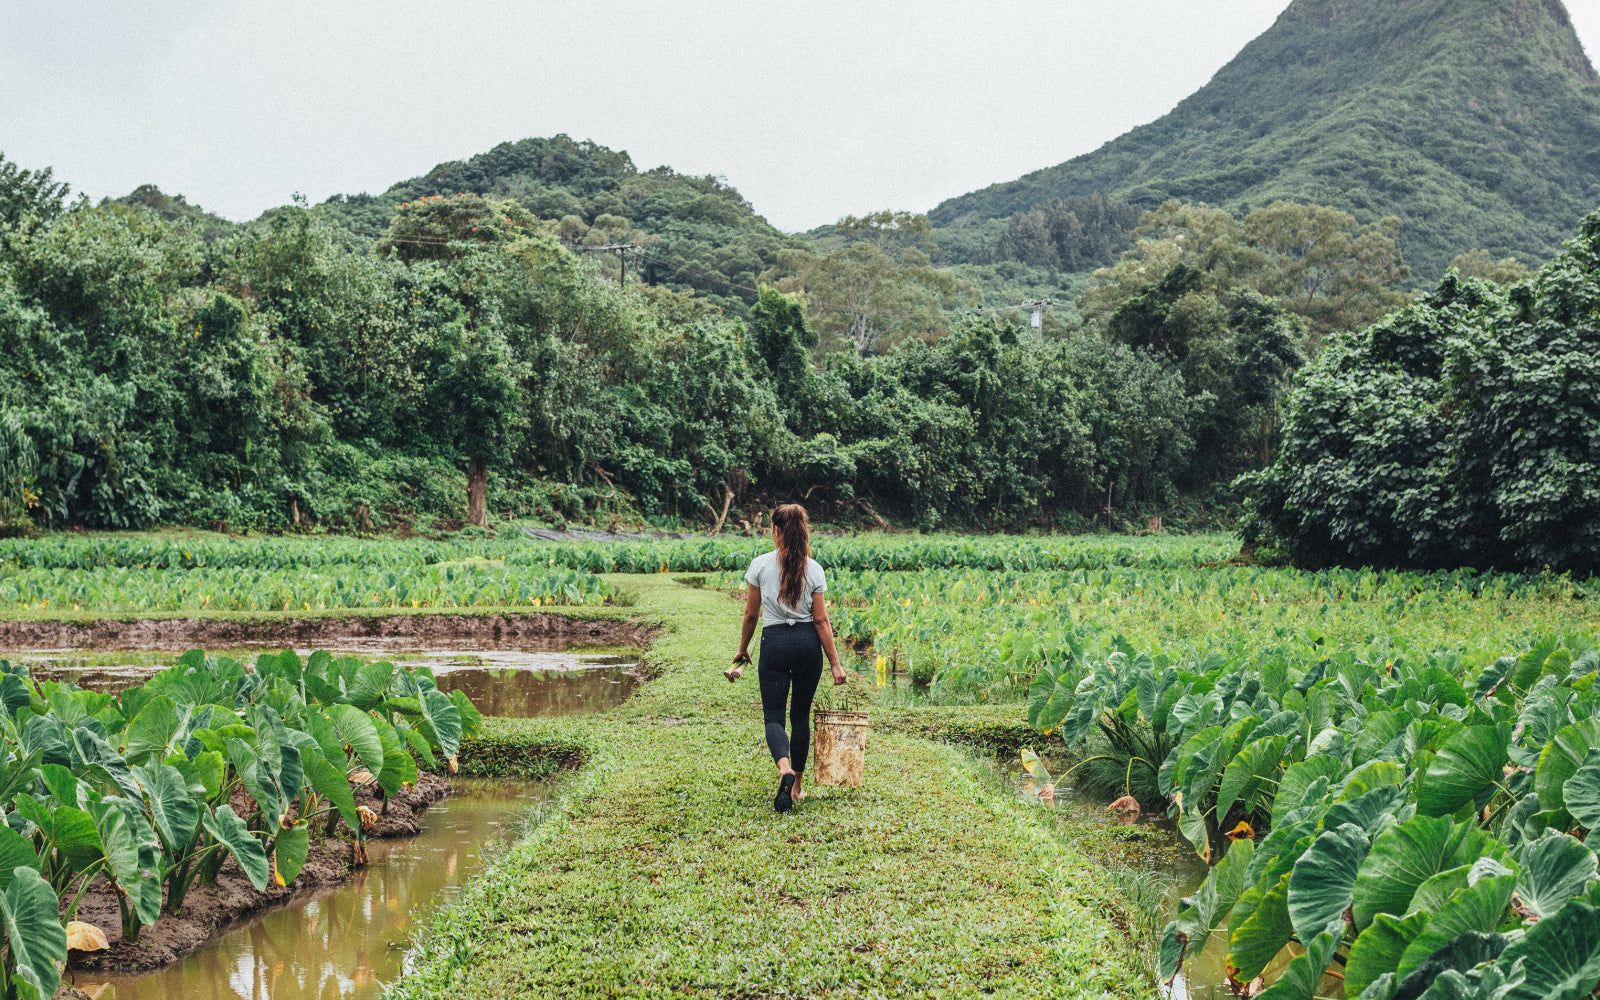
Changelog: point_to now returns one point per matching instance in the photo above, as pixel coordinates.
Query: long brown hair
(792, 531)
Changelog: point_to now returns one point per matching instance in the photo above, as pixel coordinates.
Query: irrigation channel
(346, 941)
(1168, 856)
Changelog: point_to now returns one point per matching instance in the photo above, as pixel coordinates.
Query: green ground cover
(979, 636)
(663, 870)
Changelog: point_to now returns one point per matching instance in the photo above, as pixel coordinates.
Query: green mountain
(1477, 122)
(701, 232)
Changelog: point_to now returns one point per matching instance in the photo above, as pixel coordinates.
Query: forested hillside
(467, 365)
(1475, 122)
(697, 232)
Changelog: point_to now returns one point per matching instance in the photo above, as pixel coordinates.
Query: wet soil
(188, 633)
(211, 910)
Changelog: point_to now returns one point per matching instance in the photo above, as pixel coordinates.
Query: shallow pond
(519, 682)
(345, 941)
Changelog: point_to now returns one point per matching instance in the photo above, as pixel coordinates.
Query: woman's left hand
(838, 675)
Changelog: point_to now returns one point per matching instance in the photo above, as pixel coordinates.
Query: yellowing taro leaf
(85, 937)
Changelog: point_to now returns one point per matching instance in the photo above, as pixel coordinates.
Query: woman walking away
(785, 593)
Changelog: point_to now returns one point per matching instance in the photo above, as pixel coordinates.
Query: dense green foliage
(138, 789)
(288, 375)
(1474, 122)
(1462, 431)
(1421, 811)
(699, 232)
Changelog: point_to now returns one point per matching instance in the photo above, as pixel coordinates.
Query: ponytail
(792, 532)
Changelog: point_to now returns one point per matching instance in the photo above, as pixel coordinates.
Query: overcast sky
(812, 110)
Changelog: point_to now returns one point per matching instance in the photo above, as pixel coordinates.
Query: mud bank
(212, 910)
(188, 633)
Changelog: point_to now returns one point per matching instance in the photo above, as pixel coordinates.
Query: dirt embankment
(211, 910)
(188, 633)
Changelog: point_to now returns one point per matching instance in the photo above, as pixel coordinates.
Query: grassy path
(666, 873)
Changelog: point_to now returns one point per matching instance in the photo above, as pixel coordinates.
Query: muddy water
(345, 942)
(516, 683)
(1204, 974)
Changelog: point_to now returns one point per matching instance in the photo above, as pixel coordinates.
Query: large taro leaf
(444, 719)
(34, 935)
(1297, 781)
(1199, 915)
(1545, 657)
(419, 744)
(368, 685)
(47, 735)
(1323, 882)
(231, 832)
(1260, 935)
(174, 809)
(261, 786)
(1477, 909)
(1469, 762)
(332, 784)
(1372, 775)
(1378, 730)
(206, 770)
(1463, 952)
(1559, 761)
(133, 855)
(289, 853)
(1276, 854)
(64, 828)
(1372, 811)
(1402, 858)
(1561, 955)
(271, 736)
(1379, 948)
(14, 694)
(15, 851)
(1249, 772)
(1300, 979)
(99, 755)
(1486, 982)
(1554, 869)
(1581, 792)
(155, 732)
(1432, 895)
(399, 768)
(471, 718)
(356, 732)
(1050, 694)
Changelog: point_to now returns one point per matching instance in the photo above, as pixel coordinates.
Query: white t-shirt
(763, 573)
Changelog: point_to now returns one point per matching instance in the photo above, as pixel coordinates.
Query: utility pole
(620, 249)
(1039, 306)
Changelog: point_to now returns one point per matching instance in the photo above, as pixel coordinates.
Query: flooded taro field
(529, 680)
(347, 941)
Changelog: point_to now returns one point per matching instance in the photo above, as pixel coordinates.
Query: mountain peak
(1475, 121)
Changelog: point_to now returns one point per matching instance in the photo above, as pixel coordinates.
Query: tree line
(467, 364)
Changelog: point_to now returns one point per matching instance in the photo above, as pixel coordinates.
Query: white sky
(812, 110)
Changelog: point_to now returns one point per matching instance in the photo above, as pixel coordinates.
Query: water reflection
(344, 942)
(514, 683)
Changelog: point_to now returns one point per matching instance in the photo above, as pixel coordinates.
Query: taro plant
(1424, 832)
(142, 789)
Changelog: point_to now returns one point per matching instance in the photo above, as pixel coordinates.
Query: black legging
(790, 655)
